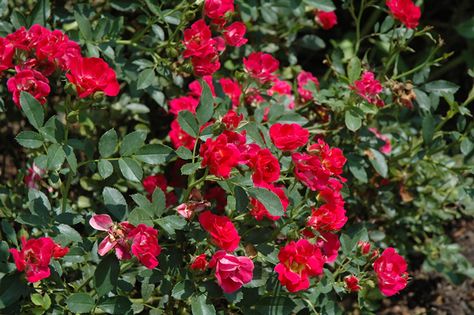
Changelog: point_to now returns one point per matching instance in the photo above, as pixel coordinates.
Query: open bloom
(232, 272)
(144, 240)
(327, 218)
(299, 261)
(220, 155)
(326, 20)
(91, 75)
(6, 54)
(232, 89)
(217, 9)
(261, 66)
(183, 103)
(391, 270)
(288, 137)
(35, 256)
(116, 238)
(234, 34)
(179, 138)
(405, 11)
(368, 87)
(222, 231)
(329, 244)
(303, 79)
(30, 81)
(265, 166)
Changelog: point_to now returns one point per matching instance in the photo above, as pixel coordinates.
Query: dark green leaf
(154, 154)
(56, 156)
(275, 305)
(269, 199)
(352, 121)
(188, 123)
(108, 143)
(12, 287)
(441, 87)
(184, 153)
(466, 146)
(354, 69)
(115, 202)
(132, 143)
(145, 78)
(106, 275)
(70, 158)
(117, 305)
(80, 303)
(67, 235)
(428, 128)
(40, 13)
(190, 168)
(312, 42)
(379, 163)
(171, 223)
(140, 215)
(33, 109)
(182, 290)
(29, 139)
(466, 28)
(84, 23)
(206, 104)
(241, 199)
(53, 130)
(105, 168)
(130, 169)
(199, 306)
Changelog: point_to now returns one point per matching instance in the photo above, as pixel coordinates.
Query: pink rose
(232, 272)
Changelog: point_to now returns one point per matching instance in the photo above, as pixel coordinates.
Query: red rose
(199, 263)
(288, 137)
(332, 159)
(91, 75)
(195, 88)
(310, 171)
(232, 120)
(222, 231)
(369, 88)
(179, 138)
(329, 244)
(261, 66)
(364, 247)
(145, 246)
(198, 40)
(391, 270)
(232, 89)
(352, 283)
(258, 209)
(6, 54)
(231, 271)
(234, 34)
(279, 87)
(327, 20)
(183, 103)
(30, 81)
(218, 196)
(299, 261)
(327, 218)
(217, 9)
(266, 168)
(405, 11)
(20, 39)
(203, 66)
(219, 155)
(35, 256)
(303, 78)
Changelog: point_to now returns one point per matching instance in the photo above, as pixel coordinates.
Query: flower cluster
(368, 87)
(35, 256)
(37, 53)
(127, 239)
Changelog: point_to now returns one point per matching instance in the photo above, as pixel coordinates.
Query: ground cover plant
(229, 157)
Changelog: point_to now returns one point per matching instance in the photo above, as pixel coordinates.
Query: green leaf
(154, 154)
(275, 305)
(67, 235)
(117, 305)
(188, 123)
(324, 5)
(70, 158)
(171, 223)
(130, 169)
(441, 87)
(312, 42)
(40, 13)
(56, 156)
(140, 215)
(466, 146)
(466, 28)
(29, 139)
(106, 275)
(9, 232)
(115, 202)
(190, 168)
(428, 128)
(199, 306)
(83, 22)
(108, 143)
(379, 163)
(354, 69)
(105, 168)
(33, 109)
(269, 199)
(80, 303)
(145, 78)
(132, 142)
(184, 153)
(353, 122)
(241, 199)
(53, 130)
(12, 288)
(159, 202)
(423, 100)
(206, 104)
(182, 290)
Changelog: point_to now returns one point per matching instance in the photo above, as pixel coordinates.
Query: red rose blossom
(369, 88)
(232, 272)
(391, 270)
(220, 155)
(183, 103)
(144, 245)
(232, 89)
(405, 11)
(199, 263)
(6, 54)
(288, 137)
(303, 79)
(217, 9)
(259, 211)
(261, 66)
(35, 256)
(117, 237)
(30, 81)
(327, 20)
(222, 231)
(352, 283)
(329, 244)
(231, 120)
(299, 261)
(91, 75)
(327, 218)
(179, 137)
(195, 88)
(265, 166)
(234, 34)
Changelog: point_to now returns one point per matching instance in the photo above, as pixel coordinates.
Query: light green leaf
(80, 303)
(56, 156)
(108, 143)
(353, 122)
(145, 78)
(199, 306)
(105, 168)
(132, 143)
(130, 169)
(29, 139)
(115, 202)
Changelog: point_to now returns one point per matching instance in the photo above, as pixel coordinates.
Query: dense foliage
(190, 157)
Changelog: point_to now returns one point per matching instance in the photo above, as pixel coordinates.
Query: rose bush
(182, 158)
